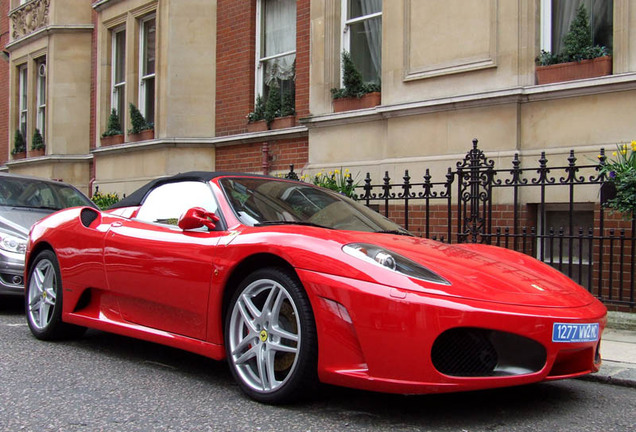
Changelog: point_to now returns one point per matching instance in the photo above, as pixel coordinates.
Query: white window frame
(41, 95)
(23, 102)
(259, 80)
(118, 89)
(345, 34)
(144, 78)
(546, 25)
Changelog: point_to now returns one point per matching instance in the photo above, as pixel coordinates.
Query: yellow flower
(624, 151)
(600, 156)
(337, 171)
(633, 145)
(614, 153)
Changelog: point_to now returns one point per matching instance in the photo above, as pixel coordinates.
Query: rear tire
(270, 338)
(43, 300)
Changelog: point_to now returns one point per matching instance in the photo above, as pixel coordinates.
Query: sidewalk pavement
(618, 351)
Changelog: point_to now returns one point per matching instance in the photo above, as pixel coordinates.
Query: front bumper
(11, 274)
(380, 338)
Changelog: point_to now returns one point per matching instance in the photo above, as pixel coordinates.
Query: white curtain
(280, 37)
(373, 28)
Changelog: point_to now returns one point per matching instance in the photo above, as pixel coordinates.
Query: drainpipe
(265, 161)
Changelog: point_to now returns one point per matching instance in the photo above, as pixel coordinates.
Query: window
(118, 78)
(41, 96)
(557, 15)
(147, 40)
(22, 99)
(168, 202)
(362, 36)
(569, 252)
(276, 47)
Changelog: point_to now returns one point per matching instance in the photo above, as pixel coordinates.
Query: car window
(264, 201)
(166, 203)
(33, 193)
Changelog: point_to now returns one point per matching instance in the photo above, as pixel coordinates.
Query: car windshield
(37, 194)
(262, 201)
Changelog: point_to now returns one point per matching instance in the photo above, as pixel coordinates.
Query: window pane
(149, 99)
(279, 27)
(118, 103)
(120, 57)
(23, 88)
(149, 47)
(600, 13)
(365, 47)
(359, 8)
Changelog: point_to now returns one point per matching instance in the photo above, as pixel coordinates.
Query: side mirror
(197, 217)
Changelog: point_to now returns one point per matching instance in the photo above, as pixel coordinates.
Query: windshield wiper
(397, 232)
(27, 207)
(282, 222)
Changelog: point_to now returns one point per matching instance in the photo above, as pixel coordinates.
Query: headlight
(11, 243)
(390, 260)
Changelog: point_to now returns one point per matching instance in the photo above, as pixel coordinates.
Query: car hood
(478, 272)
(18, 220)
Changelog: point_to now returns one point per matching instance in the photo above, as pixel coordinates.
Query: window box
(144, 135)
(283, 122)
(37, 152)
(257, 126)
(112, 140)
(19, 155)
(597, 67)
(368, 100)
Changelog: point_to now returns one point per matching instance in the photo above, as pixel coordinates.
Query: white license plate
(575, 332)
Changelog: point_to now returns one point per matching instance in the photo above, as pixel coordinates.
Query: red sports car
(296, 285)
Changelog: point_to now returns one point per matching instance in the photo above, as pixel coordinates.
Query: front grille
(475, 352)
(464, 352)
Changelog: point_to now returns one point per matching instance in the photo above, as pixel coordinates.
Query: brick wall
(236, 24)
(236, 50)
(249, 157)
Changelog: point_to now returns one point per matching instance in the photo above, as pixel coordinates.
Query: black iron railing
(554, 213)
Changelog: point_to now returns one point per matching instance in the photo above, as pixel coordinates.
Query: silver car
(23, 201)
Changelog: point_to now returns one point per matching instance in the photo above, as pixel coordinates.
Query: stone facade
(451, 71)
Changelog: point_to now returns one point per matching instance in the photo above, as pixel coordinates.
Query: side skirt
(207, 349)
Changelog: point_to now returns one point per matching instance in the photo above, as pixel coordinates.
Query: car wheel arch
(247, 266)
(35, 251)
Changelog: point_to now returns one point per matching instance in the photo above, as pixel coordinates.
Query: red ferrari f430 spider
(296, 285)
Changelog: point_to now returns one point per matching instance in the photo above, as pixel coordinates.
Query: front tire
(270, 338)
(43, 300)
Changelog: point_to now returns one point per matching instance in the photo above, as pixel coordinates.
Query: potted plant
(19, 145)
(113, 134)
(37, 144)
(356, 94)
(580, 58)
(140, 130)
(256, 119)
(287, 113)
(620, 174)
